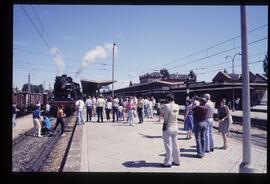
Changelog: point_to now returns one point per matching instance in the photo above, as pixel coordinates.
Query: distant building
(220, 87)
(34, 88)
(164, 75)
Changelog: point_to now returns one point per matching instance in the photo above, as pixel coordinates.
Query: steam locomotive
(66, 93)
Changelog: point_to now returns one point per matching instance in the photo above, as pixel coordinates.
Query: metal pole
(113, 72)
(244, 167)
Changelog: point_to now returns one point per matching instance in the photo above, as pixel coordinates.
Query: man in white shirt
(170, 132)
(89, 108)
(209, 142)
(146, 108)
(80, 106)
(47, 112)
(115, 104)
(100, 107)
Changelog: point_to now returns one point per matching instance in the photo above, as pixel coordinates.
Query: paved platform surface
(118, 147)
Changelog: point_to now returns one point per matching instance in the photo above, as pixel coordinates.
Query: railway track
(29, 153)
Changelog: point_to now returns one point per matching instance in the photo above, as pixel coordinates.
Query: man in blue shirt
(36, 120)
(46, 126)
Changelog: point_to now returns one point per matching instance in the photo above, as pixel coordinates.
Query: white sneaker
(39, 136)
(63, 135)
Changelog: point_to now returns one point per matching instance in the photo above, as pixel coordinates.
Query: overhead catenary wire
(208, 48)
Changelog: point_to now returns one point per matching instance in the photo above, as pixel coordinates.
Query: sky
(77, 40)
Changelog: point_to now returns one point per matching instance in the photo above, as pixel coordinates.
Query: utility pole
(113, 71)
(245, 166)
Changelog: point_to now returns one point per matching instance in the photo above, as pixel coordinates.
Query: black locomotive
(66, 92)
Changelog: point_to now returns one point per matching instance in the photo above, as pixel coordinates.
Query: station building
(222, 86)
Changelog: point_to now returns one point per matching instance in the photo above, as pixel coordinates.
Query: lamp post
(233, 108)
(113, 71)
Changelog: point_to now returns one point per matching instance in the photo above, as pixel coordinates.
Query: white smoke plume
(58, 59)
(100, 52)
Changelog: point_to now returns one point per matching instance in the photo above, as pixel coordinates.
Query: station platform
(118, 147)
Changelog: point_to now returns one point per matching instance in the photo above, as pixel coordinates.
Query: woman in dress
(223, 119)
(188, 119)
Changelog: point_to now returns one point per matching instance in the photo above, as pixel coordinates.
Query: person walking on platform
(36, 121)
(89, 108)
(150, 109)
(100, 106)
(80, 106)
(188, 119)
(94, 100)
(170, 132)
(60, 115)
(200, 125)
(130, 110)
(140, 109)
(223, 119)
(146, 111)
(209, 141)
(14, 113)
(115, 104)
(108, 108)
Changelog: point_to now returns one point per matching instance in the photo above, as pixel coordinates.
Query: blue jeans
(131, 116)
(209, 142)
(80, 117)
(200, 130)
(115, 113)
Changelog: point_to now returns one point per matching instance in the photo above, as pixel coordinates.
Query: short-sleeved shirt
(89, 102)
(109, 105)
(46, 123)
(36, 114)
(100, 102)
(115, 102)
(79, 105)
(170, 111)
(199, 113)
(48, 107)
(141, 103)
(211, 108)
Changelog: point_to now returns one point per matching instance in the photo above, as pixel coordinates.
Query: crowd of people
(198, 118)
(120, 109)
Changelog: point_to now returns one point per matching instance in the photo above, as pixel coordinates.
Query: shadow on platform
(151, 136)
(187, 155)
(140, 163)
(187, 150)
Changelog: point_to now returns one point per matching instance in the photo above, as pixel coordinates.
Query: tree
(130, 83)
(265, 65)
(225, 71)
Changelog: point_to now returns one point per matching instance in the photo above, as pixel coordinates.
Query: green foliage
(265, 65)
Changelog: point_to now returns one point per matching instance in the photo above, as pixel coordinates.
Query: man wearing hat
(200, 125)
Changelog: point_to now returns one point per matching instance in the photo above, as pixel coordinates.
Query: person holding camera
(170, 131)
